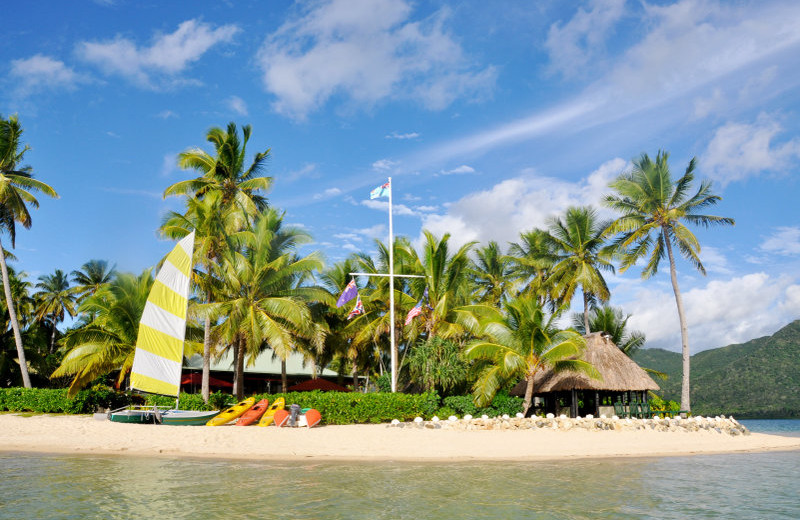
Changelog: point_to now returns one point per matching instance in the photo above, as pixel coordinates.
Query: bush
(500, 405)
(55, 400)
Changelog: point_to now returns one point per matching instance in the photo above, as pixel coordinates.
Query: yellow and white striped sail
(162, 329)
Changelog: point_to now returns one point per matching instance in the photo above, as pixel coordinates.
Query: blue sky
(489, 116)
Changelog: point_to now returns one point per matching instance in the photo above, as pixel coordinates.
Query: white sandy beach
(86, 435)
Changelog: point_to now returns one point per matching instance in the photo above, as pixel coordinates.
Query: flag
(350, 292)
(380, 191)
(358, 309)
(417, 309)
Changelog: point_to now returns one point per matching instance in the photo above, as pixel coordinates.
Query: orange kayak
(253, 414)
(269, 415)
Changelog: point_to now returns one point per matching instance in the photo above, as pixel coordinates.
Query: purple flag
(350, 292)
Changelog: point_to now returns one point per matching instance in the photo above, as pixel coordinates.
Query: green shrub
(55, 400)
(445, 412)
(500, 405)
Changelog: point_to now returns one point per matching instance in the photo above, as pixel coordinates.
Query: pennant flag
(380, 191)
(350, 292)
(358, 309)
(417, 309)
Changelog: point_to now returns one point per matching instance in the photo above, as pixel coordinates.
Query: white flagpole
(391, 292)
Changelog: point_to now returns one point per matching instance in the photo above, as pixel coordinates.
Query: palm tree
(612, 321)
(261, 303)
(492, 274)
(17, 187)
(225, 172)
(577, 257)
(654, 208)
(531, 261)
(518, 344)
(91, 276)
(108, 343)
(54, 299)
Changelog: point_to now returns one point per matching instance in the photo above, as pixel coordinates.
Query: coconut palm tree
(261, 303)
(54, 299)
(517, 344)
(613, 321)
(531, 260)
(575, 244)
(108, 343)
(17, 189)
(91, 276)
(492, 275)
(654, 208)
(225, 172)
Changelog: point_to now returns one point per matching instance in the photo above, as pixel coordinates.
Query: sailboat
(158, 359)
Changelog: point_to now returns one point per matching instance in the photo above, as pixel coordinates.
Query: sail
(162, 329)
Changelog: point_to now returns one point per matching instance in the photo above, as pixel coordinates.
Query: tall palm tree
(261, 303)
(654, 208)
(492, 275)
(576, 245)
(17, 188)
(612, 321)
(108, 343)
(532, 260)
(54, 299)
(91, 277)
(225, 172)
(519, 343)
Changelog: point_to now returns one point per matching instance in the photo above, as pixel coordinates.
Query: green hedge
(55, 400)
(462, 405)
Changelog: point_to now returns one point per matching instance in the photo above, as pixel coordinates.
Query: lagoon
(749, 485)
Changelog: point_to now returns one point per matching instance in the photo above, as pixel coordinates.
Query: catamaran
(158, 358)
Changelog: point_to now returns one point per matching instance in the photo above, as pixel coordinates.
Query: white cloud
(720, 313)
(578, 43)
(711, 104)
(41, 72)
(384, 165)
(169, 164)
(237, 104)
(366, 51)
(519, 204)
(714, 261)
(328, 193)
(167, 56)
(166, 114)
(397, 209)
(740, 150)
(785, 241)
(409, 135)
(458, 170)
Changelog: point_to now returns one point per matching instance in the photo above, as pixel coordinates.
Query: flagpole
(391, 292)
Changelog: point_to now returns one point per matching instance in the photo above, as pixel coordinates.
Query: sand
(87, 435)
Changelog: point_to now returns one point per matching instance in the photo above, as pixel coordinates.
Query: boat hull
(150, 415)
(135, 415)
(187, 417)
(269, 415)
(253, 414)
(232, 413)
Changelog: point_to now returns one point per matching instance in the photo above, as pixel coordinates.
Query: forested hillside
(760, 378)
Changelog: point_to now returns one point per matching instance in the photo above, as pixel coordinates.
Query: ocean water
(736, 486)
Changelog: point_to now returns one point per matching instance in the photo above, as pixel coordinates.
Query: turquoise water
(746, 486)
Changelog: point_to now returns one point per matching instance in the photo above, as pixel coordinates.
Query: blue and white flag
(350, 292)
(380, 191)
(358, 309)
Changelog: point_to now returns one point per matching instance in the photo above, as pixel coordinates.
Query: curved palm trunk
(205, 386)
(685, 390)
(526, 404)
(240, 370)
(586, 312)
(53, 337)
(12, 317)
(284, 378)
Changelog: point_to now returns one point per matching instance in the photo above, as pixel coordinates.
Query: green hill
(760, 378)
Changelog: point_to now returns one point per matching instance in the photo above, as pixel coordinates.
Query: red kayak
(253, 414)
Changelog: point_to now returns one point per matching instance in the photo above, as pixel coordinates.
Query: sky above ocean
(490, 117)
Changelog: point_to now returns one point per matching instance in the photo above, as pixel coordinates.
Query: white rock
(550, 416)
(590, 416)
(452, 418)
(418, 419)
(603, 416)
(434, 419)
(395, 421)
(484, 417)
(505, 416)
(615, 418)
(468, 417)
(519, 415)
(562, 416)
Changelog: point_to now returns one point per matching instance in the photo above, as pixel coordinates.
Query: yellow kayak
(234, 412)
(269, 415)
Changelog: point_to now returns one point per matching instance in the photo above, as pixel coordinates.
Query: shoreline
(84, 435)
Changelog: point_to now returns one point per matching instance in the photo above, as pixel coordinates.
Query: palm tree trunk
(205, 387)
(235, 347)
(53, 337)
(586, 312)
(685, 389)
(526, 404)
(284, 378)
(12, 317)
(354, 373)
(240, 370)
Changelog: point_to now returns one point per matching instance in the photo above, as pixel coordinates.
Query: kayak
(253, 414)
(234, 412)
(308, 417)
(269, 415)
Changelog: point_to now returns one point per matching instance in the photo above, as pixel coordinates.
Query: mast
(391, 292)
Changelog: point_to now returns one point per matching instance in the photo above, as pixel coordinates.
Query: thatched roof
(620, 373)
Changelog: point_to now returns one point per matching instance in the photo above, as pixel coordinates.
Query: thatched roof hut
(620, 373)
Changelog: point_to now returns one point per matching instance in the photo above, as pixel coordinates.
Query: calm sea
(740, 486)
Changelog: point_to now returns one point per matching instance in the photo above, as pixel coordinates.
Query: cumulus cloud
(328, 193)
(519, 204)
(580, 41)
(237, 104)
(458, 170)
(366, 51)
(384, 165)
(741, 150)
(718, 314)
(41, 72)
(396, 135)
(162, 61)
(397, 209)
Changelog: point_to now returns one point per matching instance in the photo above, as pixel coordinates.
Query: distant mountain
(757, 379)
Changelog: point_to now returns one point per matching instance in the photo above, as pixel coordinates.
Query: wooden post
(573, 409)
(597, 403)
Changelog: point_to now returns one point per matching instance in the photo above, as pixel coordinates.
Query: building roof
(265, 363)
(620, 373)
(317, 384)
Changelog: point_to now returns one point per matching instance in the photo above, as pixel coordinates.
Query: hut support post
(573, 409)
(597, 404)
